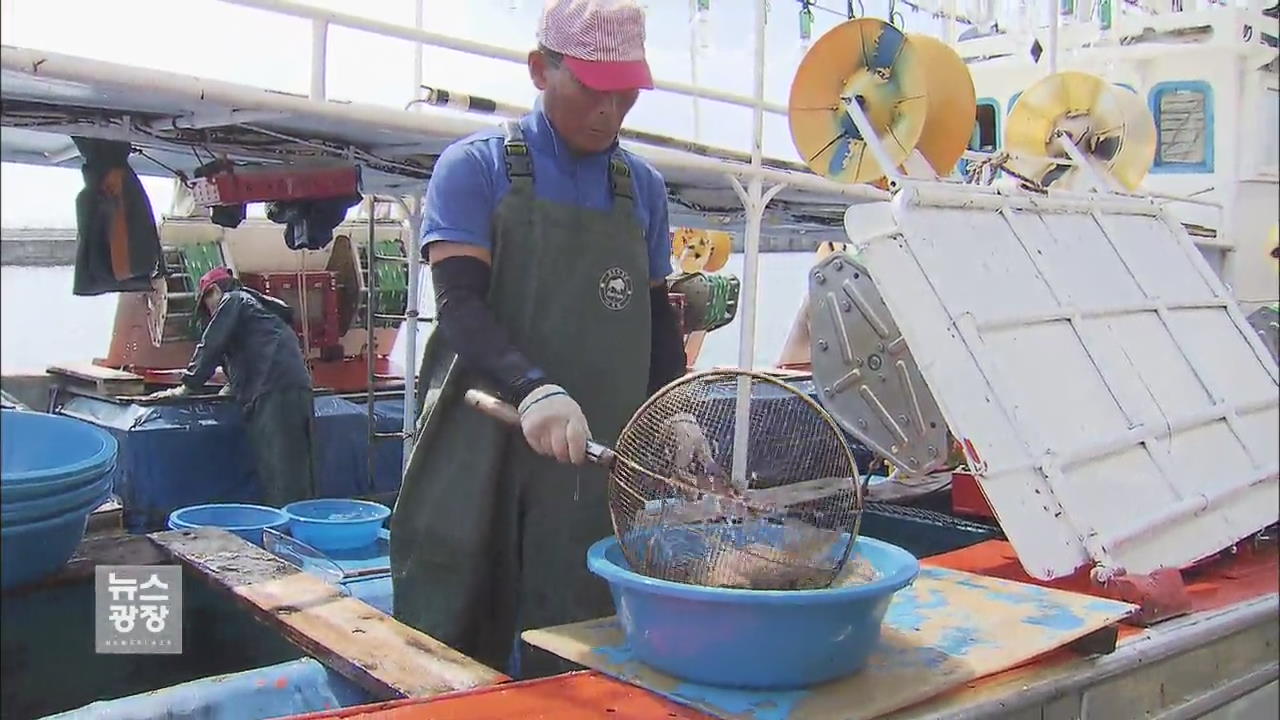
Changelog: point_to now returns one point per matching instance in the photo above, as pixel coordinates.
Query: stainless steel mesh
(787, 522)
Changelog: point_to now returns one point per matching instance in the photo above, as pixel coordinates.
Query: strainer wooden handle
(506, 413)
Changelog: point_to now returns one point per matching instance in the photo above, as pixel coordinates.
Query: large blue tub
(33, 551)
(53, 472)
(761, 639)
(45, 455)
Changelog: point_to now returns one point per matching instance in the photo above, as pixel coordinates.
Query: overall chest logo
(615, 288)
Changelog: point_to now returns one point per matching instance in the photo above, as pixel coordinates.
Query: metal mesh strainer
(780, 513)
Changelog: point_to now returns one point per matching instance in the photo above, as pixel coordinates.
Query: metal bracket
(867, 378)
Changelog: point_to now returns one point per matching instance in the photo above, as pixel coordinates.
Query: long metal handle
(505, 413)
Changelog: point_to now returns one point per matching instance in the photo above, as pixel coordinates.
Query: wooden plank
(107, 381)
(946, 630)
(383, 656)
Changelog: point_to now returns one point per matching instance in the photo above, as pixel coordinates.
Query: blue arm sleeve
(652, 190)
(460, 198)
(213, 344)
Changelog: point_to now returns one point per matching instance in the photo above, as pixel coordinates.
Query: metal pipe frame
(370, 289)
(393, 30)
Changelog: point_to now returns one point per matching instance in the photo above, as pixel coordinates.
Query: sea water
(42, 323)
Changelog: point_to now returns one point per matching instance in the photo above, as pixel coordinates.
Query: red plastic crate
(248, 185)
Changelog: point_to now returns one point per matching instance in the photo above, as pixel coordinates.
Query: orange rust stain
(282, 682)
(572, 696)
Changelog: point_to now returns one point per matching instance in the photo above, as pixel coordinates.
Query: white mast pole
(753, 200)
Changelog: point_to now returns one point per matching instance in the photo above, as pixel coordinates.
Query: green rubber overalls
(488, 538)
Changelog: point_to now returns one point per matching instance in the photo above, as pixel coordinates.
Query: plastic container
(247, 521)
(13, 512)
(336, 523)
(757, 639)
(922, 533)
(45, 455)
(33, 551)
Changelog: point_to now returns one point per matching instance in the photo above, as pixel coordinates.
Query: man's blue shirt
(470, 179)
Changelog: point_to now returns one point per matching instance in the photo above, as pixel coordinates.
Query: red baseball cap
(602, 42)
(208, 279)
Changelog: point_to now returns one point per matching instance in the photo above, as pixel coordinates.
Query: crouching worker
(250, 335)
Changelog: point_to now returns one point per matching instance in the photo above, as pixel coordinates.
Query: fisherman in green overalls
(549, 248)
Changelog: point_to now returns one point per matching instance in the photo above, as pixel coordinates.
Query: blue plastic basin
(336, 523)
(42, 508)
(759, 639)
(45, 455)
(247, 521)
(41, 448)
(33, 551)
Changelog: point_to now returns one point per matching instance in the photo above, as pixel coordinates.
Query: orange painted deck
(1252, 573)
(572, 696)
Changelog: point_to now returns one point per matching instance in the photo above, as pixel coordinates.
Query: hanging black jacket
(117, 244)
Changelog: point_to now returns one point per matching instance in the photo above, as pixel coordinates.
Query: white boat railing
(321, 19)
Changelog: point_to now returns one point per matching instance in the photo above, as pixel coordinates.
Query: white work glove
(554, 425)
(173, 392)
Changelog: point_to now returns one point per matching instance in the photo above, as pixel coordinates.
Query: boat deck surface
(1217, 588)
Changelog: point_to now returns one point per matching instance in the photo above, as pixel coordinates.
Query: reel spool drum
(345, 262)
(1107, 122)
(701, 250)
(952, 104)
(870, 62)
(681, 518)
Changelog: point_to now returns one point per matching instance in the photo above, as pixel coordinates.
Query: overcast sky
(221, 41)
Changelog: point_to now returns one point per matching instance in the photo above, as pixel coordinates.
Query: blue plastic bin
(247, 521)
(33, 551)
(759, 639)
(45, 455)
(336, 523)
(16, 512)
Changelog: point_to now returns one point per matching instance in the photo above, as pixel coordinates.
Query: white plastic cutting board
(1119, 409)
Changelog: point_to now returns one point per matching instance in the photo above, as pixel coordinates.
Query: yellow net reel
(915, 91)
(1109, 124)
(700, 250)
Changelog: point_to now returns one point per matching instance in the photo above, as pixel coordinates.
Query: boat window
(986, 131)
(1183, 112)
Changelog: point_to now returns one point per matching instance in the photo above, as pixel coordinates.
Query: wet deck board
(385, 657)
(947, 629)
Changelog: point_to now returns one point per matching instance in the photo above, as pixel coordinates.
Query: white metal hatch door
(1119, 409)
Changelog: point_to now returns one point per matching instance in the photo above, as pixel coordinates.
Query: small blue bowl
(247, 521)
(14, 512)
(336, 523)
(33, 551)
(756, 639)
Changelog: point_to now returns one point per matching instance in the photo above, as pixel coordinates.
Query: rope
(182, 177)
(997, 162)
